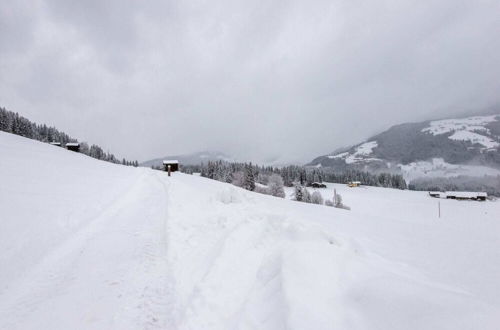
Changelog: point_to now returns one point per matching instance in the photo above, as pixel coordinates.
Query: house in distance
(460, 195)
(73, 146)
(437, 194)
(173, 164)
(466, 195)
(353, 184)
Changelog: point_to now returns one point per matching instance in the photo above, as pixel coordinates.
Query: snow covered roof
(55, 143)
(466, 194)
(170, 161)
(72, 144)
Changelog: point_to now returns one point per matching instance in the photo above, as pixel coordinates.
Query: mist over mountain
(440, 148)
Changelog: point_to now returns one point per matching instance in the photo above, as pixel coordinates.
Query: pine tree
(249, 177)
(298, 192)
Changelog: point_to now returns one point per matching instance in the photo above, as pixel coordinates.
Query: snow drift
(86, 244)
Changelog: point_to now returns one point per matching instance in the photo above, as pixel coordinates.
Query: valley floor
(89, 245)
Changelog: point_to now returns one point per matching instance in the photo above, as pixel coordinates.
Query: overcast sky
(259, 80)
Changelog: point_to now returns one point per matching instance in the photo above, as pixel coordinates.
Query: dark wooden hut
(73, 146)
(172, 163)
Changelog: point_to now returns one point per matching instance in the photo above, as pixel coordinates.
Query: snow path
(120, 256)
(86, 244)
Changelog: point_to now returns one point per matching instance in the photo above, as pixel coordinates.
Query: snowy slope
(82, 241)
(360, 154)
(472, 129)
(86, 244)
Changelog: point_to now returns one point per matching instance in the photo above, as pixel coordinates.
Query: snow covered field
(86, 244)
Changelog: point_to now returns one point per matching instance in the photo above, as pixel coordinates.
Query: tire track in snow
(158, 300)
(50, 277)
(116, 261)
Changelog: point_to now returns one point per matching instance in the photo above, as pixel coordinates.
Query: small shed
(353, 184)
(57, 144)
(318, 185)
(173, 164)
(435, 194)
(73, 146)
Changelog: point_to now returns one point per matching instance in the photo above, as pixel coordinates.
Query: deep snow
(86, 244)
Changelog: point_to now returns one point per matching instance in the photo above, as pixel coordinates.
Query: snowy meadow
(88, 244)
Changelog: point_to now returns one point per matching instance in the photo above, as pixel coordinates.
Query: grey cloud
(259, 80)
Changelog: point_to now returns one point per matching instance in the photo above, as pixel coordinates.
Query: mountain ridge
(454, 146)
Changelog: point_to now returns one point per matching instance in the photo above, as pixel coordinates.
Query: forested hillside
(12, 122)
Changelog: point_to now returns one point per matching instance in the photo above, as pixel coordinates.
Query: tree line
(272, 180)
(12, 122)
(291, 175)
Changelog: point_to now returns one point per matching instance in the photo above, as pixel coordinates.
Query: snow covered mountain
(190, 159)
(86, 244)
(444, 148)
